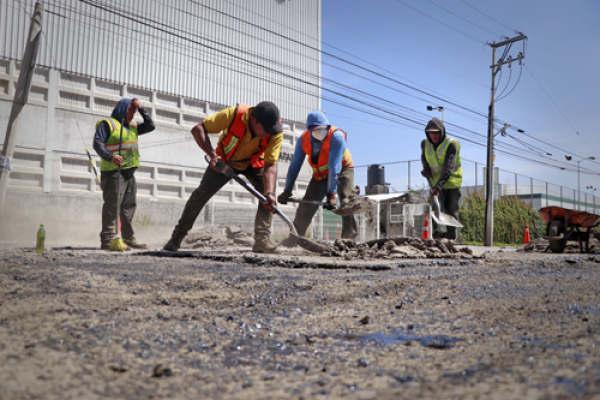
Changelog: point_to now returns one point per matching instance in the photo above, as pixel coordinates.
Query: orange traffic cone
(425, 233)
(526, 239)
(326, 234)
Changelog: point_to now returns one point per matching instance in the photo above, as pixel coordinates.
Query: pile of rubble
(398, 247)
(214, 236)
(572, 246)
(386, 248)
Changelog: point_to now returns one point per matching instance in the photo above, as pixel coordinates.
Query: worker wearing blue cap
(332, 169)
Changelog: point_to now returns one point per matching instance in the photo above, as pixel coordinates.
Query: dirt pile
(543, 246)
(215, 236)
(397, 247)
(354, 204)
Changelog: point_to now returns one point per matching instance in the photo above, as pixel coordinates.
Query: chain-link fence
(404, 176)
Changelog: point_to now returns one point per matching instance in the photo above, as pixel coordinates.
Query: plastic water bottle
(41, 239)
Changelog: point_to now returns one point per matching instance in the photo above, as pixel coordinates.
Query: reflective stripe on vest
(321, 169)
(236, 131)
(129, 146)
(435, 159)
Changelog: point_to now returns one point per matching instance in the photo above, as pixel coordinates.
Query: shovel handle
(226, 169)
(300, 201)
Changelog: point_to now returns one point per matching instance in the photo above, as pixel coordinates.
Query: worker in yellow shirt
(250, 145)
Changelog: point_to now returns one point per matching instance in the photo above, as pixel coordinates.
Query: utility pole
(489, 198)
(21, 96)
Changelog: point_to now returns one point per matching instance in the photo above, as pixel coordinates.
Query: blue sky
(439, 48)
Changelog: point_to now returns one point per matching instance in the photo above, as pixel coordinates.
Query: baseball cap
(266, 113)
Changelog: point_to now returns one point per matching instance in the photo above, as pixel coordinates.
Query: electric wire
(396, 121)
(493, 19)
(464, 19)
(559, 110)
(441, 22)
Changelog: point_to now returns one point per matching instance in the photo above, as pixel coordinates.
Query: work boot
(172, 245)
(289, 242)
(264, 245)
(134, 244)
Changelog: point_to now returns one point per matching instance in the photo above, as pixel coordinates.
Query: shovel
(440, 217)
(303, 242)
(117, 244)
(338, 211)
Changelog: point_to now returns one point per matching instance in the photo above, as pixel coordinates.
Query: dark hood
(440, 125)
(120, 111)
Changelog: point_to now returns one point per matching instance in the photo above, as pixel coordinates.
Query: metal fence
(406, 175)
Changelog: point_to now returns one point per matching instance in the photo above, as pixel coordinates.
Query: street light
(569, 158)
(440, 109)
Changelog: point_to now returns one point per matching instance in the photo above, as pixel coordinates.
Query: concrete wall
(52, 181)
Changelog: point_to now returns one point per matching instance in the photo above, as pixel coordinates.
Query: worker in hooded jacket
(332, 169)
(106, 144)
(440, 156)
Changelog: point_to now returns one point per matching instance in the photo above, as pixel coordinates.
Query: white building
(184, 60)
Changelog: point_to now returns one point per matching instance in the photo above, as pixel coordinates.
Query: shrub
(511, 215)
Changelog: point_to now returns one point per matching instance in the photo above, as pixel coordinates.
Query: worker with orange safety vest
(250, 145)
(332, 172)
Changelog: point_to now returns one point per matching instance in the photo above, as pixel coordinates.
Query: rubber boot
(172, 245)
(264, 245)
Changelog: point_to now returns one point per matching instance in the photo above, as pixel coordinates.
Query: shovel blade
(445, 219)
(309, 244)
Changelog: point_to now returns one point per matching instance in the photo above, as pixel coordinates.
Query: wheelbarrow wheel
(557, 228)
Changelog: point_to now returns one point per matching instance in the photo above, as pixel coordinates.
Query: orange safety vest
(321, 169)
(235, 133)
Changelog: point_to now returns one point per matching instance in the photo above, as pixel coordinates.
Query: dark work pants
(317, 190)
(127, 206)
(211, 183)
(449, 203)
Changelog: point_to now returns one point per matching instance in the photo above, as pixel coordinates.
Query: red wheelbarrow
(563, 224)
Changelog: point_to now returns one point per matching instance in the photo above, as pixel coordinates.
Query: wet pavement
(228, 323)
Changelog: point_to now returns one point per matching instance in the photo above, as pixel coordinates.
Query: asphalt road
(82, 323)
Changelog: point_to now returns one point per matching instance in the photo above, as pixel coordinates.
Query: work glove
(435, 192)
(426, 173)
(282, 198)
(330, 203)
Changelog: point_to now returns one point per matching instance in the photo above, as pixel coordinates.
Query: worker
(333, 172)
(440, 156)
(250, 145)
(106, 144)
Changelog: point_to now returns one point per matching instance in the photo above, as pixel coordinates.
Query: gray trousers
(317, 190)
(127, 206)
(450, 204)
(211, 183)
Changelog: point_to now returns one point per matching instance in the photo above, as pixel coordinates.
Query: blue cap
(317, 118)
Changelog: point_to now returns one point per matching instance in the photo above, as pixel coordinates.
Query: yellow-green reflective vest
(435, 159)
(129, 147)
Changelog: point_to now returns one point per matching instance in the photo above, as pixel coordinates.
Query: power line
(493, 19)
(441, 22)
(559, 110)
(464, 19)
(412, 122)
